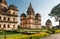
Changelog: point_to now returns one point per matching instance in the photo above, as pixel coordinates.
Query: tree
(55, 12)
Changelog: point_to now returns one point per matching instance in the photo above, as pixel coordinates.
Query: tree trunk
(59, 22)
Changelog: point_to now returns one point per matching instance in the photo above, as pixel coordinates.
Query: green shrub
(50, 32)
(57, 31)
(35, 36)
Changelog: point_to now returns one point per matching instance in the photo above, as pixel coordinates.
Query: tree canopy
(55, 12)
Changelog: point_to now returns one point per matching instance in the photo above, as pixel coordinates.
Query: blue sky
(43, 7)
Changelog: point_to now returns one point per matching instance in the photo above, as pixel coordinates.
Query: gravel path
(53, 36)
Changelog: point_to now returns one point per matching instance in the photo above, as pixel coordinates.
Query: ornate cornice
(37, 24)
(8, 21)
(22, 19)
(3, 13)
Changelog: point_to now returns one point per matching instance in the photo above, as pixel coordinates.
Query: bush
(57, 31)
(35, 36)
(50, 32)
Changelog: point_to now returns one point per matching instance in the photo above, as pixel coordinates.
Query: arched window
(4, 26)
(0, 25)
(13, 12)
(8, 26)
(13, 26)
(0, 17)
(13, 19)
(8, 19)
(4, 18)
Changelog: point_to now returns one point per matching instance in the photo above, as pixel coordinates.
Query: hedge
(35, 36)
(57, 31)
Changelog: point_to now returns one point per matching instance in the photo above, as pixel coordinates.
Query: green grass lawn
(11, 34)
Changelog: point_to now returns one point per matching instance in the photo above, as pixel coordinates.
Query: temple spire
(30, 4)
(3, 1)
(4, 4)
(30, 9)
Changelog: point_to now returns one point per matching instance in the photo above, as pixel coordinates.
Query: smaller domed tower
(23, 20)
(12, 9)
(38, 20)
(48, 24)
(3, 5)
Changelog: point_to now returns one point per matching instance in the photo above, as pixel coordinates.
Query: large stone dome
(23, 15)
(37, 15)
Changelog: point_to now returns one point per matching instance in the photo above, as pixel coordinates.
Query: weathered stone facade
(8, 16)
(30, 20)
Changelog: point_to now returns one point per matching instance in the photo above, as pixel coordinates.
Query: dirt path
(53, 36)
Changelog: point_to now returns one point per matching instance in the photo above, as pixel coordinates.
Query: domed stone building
(48, 24)
(8, 16)
(30, 20)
